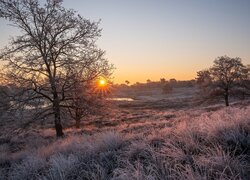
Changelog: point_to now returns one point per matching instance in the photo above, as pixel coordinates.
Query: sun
(103, 87)
(102, 82)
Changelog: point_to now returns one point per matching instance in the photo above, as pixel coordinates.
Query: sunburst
(102, 87)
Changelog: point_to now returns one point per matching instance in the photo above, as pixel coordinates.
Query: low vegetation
(166, 145)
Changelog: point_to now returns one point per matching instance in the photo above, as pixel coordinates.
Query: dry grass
(145, 144)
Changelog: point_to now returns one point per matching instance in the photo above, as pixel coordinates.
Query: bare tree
(204, 78)
(53, 41)
(83, 98)
(204, 82)
(225, 75)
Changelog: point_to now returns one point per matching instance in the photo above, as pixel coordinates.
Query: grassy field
(165, 137)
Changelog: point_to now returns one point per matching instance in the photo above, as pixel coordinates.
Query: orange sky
(147, 39)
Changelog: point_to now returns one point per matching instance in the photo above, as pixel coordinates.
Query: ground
(154, 137)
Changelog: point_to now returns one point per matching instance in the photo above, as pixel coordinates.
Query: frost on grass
(213, 145)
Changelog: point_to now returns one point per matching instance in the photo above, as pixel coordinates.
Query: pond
(120, 99)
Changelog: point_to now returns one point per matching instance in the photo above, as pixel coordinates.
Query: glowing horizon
(146, 39)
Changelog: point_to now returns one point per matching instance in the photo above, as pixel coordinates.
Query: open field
(142, 139)
(124, 90)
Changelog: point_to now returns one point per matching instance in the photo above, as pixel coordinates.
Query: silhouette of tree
(53, 41)
(173, 81)
(163, 80)
(127, 82)
(82, 99)
(225, 75)
(204, 78)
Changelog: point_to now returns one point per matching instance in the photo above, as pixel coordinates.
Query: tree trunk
(78, 119)
(77, 123)
(56, 108)
(226, 97)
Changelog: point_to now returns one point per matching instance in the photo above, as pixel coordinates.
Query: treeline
(228, 78)
(162, 83)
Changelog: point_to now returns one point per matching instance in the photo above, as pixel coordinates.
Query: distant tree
(127, 82)
(204, 81)
(204, 78)
(173, 81)
(162, 80)
(148, 81)
(225, 75)
(53, 41)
